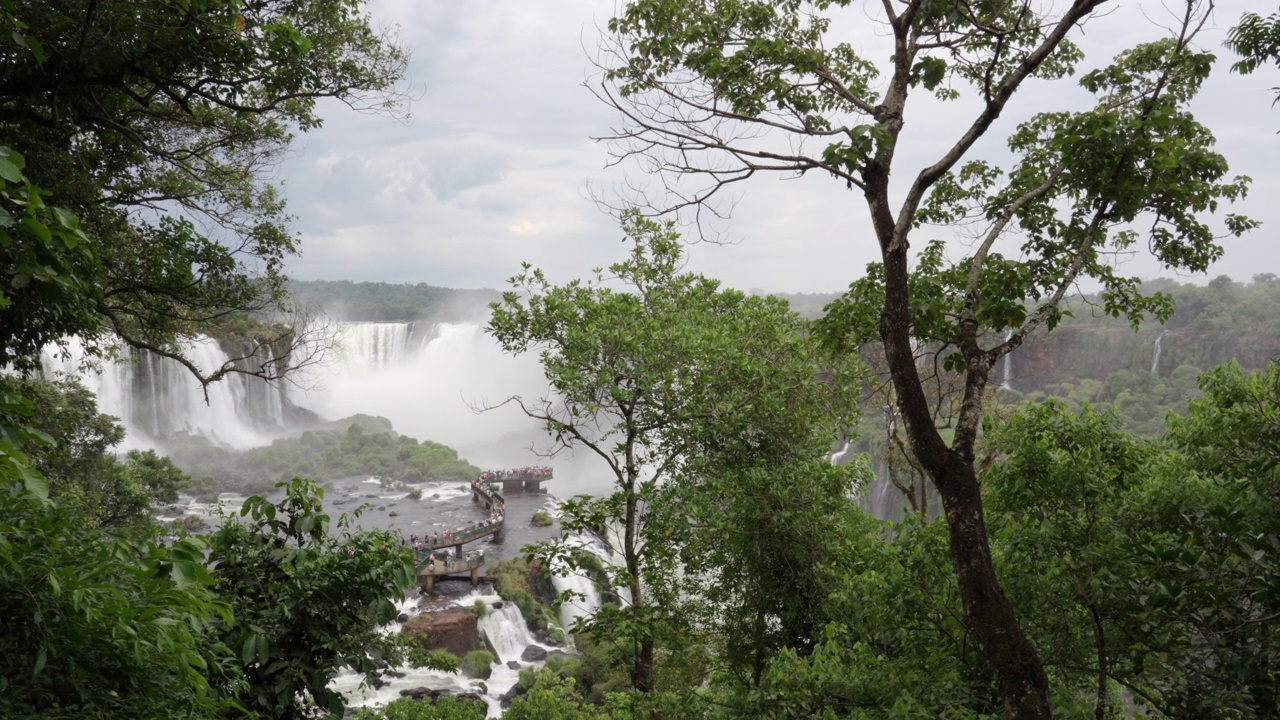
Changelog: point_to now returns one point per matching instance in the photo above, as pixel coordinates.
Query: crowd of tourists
(532, 472)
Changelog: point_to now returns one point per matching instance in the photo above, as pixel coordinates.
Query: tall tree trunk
(642, 675)
(987, 610)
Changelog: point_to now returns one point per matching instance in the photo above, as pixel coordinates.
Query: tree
(153, 129)
(76, 456)
(727, 89)
(664, 379)
(306, 602)
(96, 627)
(1257, 40)
(1149, 558)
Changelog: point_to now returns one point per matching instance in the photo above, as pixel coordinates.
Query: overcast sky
(497, 164)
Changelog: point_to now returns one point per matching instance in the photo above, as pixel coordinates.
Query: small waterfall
(1006, 371)
(578, 608)
(1155, 353)
(836, 457)
(506, 631)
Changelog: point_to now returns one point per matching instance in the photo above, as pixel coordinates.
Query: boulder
(452, 630)
(420, 693)
(515, 692)
(533, 653)
(513, 664)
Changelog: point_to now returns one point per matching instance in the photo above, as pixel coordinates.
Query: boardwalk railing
(481, 488)
(464, 535)
(462, 564)
(484, 490)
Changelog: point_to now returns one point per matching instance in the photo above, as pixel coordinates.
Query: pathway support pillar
(475, 576)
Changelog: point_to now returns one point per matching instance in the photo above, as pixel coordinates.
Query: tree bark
(642, 675)
(987, 610)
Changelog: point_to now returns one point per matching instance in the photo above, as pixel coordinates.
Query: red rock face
(452, 630)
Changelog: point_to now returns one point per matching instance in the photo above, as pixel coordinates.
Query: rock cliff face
(1074, 352)
(452, 630)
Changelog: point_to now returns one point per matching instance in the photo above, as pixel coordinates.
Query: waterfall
(1155, 353)
(1006, 372)
(373, 346)
(427, 384)
(506, 631)
(156, 398)
(836, 457)
(586, 602)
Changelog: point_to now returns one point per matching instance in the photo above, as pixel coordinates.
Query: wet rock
(546, 638)
(498, 605)
(452, 630)
(402, 618)
(420, 693)
(506, 698)
(513, 664)
(533, 653)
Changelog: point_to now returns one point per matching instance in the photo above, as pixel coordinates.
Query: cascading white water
(429, 389)
(836, 457)
(373, 346)
(157, 398)
(506, 631)
(1155, 354)
(1006, 380)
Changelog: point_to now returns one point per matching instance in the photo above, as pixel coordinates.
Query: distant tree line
(388, 302)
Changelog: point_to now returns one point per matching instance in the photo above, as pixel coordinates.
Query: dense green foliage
(77, 458)
(96, 627)
(445, 708)
(308, 599)
(153, 128)
(706, 404)
(477, 664)
(386, 302)
(1149, 562)
(360, 446)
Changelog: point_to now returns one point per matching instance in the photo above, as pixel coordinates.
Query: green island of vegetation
(359, 446)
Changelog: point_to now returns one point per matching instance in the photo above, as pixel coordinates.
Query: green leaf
(9, 171)
(33, 481)
(37, 228)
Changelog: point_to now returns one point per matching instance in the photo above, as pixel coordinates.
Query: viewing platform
(433, 564)
(429, 571)
(528, 479)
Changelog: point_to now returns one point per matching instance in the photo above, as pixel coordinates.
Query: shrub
(477, 664)
(445, 708)
(542, 519)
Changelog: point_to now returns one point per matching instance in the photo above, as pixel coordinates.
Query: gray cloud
(495, 166)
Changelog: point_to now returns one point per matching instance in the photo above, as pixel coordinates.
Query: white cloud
(494, 167)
